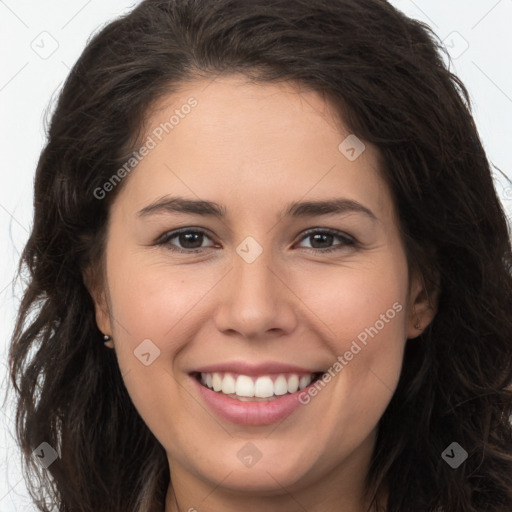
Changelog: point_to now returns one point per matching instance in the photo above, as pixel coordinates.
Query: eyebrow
(169, 204)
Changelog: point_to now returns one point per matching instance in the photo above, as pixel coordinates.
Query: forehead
(261, 144)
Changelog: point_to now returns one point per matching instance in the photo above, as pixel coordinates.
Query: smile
(253, 395)
(256, 388)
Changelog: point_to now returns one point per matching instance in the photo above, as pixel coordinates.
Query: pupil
(318, 236)
(189, 237)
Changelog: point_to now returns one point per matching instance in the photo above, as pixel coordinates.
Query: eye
(322, 238)
(191, 240)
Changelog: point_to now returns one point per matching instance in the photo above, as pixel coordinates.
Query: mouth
(255, 388)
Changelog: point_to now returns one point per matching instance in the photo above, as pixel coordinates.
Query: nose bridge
(255, 287)
(254, 300)
(252, 272)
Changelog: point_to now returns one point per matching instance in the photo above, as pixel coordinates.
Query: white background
(478, 33)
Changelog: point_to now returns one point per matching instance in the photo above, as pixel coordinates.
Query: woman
(186, 340)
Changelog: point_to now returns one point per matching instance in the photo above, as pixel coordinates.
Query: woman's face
(259, 299)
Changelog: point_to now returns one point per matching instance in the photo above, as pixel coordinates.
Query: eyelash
(346, 239)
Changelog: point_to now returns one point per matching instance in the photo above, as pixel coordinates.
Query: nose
(255, 300)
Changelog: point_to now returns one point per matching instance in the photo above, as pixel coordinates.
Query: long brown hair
(386, 76)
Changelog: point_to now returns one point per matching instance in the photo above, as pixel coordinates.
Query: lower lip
(251, 413)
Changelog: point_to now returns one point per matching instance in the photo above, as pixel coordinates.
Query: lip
(264, 368)
(247, 412)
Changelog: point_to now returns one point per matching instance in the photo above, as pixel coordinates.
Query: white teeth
(216, 382)
(261, 387)
(264, 387)
(228, 384)
(280, 385)
(293, 383)
(304, 381)
(244, 386)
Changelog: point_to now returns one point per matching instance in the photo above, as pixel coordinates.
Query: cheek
(154, 300)
(361, 303)
(362, 315)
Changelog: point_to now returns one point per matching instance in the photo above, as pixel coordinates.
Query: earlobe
(102, 316)
(103, 320)
(97, 294)
(108, 342)
(422, 308)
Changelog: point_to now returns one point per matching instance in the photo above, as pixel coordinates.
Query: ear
(96, 289)
(423, 302)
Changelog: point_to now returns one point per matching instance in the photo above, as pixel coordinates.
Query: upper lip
(245, 368)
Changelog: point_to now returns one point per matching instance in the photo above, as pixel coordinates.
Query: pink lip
(265, 368)
(251, 413)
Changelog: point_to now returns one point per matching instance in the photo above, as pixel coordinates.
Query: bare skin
(254, 149)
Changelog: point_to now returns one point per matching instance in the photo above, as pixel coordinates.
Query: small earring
(107, 341)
